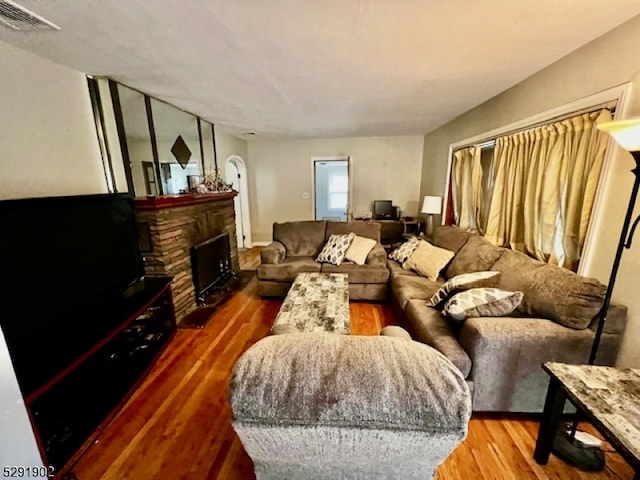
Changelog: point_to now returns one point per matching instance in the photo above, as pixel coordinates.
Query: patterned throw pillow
(404, 251)
(463, 282)
(482, 302)
(359, 249)
(427, 260)
(335, 249)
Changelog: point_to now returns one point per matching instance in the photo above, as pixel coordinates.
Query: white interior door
(331, 188)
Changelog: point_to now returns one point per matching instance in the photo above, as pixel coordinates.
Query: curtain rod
(490, 142)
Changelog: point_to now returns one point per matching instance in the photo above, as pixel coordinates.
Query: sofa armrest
(507, 354)
(377, 256)
(427, 325)
(616, 319)
(273, 253)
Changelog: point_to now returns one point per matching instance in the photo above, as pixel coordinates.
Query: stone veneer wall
(172, 231)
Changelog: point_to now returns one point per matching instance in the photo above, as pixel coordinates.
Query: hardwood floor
(177, 424)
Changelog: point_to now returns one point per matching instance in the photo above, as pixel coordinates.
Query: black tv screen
(63, 258)
(382, 209)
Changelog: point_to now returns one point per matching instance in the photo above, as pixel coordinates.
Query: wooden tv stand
(69, 410)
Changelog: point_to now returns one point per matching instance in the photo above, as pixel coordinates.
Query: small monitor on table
(383, 209)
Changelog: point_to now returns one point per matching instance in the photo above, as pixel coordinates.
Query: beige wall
(606, 62)
(227, 145)
(48, 143)
(280, 174)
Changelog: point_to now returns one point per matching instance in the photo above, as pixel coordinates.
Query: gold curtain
(545, 186)
(466, 187)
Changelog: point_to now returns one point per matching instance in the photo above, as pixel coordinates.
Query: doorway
(235, 173)
(331, 187)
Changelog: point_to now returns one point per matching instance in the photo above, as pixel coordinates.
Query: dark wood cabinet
(392, 231)
(71, 409)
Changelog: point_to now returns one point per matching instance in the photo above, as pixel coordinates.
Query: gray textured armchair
(326, 406)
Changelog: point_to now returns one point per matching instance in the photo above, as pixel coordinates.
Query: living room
(48, 147)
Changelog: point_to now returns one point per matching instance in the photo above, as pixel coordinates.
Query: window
(338, 190)
(533, 190)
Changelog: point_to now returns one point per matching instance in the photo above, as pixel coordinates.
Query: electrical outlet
(305, 194)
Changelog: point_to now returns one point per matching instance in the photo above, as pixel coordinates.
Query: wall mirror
(178, 143)
(138, 141)
(149, 147)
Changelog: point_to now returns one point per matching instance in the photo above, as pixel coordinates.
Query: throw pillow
(463, 282)
(359, 249)
(335, 249)
(427, 260)
(404, 251)
(482, 302)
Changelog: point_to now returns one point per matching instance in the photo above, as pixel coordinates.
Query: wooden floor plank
(177, 425)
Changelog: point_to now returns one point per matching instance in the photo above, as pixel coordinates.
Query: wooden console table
(608, 397)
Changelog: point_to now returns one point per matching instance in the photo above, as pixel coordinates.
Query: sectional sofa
(500, 357)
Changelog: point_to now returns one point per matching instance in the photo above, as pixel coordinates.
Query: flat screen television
(382, 209)
(65, 259)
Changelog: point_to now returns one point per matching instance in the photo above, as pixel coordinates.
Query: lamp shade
(432, 205)
(625, 132)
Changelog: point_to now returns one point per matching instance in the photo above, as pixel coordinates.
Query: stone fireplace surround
(170, 225)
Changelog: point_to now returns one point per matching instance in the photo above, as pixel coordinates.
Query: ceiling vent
(19, 18)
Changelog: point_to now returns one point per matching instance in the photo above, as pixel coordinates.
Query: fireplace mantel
(183, 200)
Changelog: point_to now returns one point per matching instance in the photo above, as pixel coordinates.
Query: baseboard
(259, 244)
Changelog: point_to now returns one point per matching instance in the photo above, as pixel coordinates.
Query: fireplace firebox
(211, 265)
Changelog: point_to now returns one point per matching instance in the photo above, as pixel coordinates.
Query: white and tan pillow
(427, 260)
(359, 249)
(404, 251)
(463, 282)
(335, 249)
(482, 302)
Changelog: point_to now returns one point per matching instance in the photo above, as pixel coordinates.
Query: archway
(235, 172)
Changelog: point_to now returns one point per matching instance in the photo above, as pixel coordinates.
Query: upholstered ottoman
(326, 406)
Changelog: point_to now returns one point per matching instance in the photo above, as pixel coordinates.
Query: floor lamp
(431, 205)
(627, 134)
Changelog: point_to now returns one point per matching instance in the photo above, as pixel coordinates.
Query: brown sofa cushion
(477, 255)
(362, 229)
(550, 291)
(359, 273)
(451, 238)
(616, 320)
(288, 269)
(429, 326)
(396, 269)
(301, 239)
(410, 287)
(273, 253)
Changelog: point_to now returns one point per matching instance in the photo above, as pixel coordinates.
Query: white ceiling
(319, 67)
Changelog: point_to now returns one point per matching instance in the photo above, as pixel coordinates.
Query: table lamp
(431, 205)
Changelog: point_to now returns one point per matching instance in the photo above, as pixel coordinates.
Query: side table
(608, 397)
